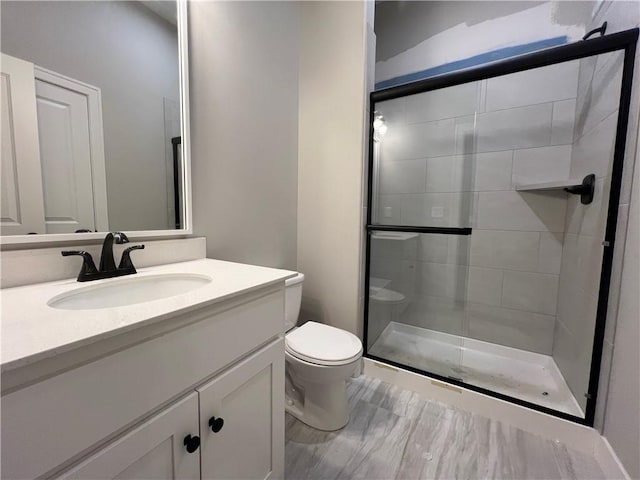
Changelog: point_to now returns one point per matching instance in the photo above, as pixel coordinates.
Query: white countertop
(32, 331)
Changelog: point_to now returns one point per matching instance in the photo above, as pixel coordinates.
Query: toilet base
(323, 407)
(316, 394)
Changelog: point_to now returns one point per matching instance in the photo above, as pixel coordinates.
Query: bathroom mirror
(94, 120)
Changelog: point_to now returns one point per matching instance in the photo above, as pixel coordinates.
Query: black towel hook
(600, 30)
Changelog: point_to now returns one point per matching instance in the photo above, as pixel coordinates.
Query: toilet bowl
(319, 359)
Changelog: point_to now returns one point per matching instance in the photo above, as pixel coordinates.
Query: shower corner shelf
(583, 188)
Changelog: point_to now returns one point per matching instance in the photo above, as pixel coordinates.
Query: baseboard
(609, 461)
(574, 435)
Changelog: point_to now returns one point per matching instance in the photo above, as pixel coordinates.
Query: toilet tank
(292, 300)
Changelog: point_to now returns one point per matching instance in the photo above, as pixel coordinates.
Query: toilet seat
(384, 295)
(322, 344)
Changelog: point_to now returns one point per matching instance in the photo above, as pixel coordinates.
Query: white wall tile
(550, 252)
(420, 140)
(576, 309)
(389, 210)
(539, 85)
(513, 328)
(434, 248)
(457, 209)
(505, 249)
(412, 211)
(438, 209)
(563, 122)
(523, 127)
(602, 94)
(450, 174)
(593, 153)
(443, 280)
(543, 164)
(485, 286)
(456, 101)
(521, 211)
(406, 176)
(437, 313)
(532, 292)
(437, 248)
(569, 355)
(465, 137)
(493, 171)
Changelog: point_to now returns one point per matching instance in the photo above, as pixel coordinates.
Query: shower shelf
(583, 188)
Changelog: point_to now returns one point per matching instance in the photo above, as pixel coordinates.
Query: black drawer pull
(216, 424)
(192, 443)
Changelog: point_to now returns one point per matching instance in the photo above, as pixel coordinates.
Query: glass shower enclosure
(493, 198)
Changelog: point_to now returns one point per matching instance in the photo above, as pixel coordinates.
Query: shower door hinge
(587, 396)
(606, 243)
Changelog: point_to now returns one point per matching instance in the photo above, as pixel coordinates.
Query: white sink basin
(128, 291)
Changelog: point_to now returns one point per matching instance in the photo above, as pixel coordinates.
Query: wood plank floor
(395, 434)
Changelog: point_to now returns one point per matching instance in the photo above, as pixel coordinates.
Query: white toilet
(319, 360)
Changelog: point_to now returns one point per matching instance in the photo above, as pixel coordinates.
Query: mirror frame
(66, 238)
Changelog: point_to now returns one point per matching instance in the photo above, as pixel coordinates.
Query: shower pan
(493, 199)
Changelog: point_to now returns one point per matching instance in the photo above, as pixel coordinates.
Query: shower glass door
(492, 218)
(422, 209)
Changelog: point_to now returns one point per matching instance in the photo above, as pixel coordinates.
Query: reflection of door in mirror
(22, 208)
(71, 153)
(62, 188)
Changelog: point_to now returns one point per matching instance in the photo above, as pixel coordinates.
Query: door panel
(63, 126)
(21, 204)
(249, 398)
(155, 450)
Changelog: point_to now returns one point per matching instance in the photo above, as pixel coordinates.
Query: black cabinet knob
(216, 424)
(191, 443)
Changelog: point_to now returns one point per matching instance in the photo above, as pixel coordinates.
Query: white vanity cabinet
(230, 425)
(126, 414)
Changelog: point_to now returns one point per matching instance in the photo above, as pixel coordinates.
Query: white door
(21, 202)
(72, 165)
(153, 451)
(242, 419)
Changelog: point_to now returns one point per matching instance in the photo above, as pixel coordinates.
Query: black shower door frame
(622, 41)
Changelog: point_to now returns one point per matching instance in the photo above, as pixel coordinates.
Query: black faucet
(107, 268)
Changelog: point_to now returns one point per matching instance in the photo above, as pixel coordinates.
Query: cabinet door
(154, 450)
(247, 402)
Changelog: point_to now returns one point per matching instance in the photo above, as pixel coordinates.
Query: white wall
(244, 129)
(415, 36)
(131, 54)
(332, 93)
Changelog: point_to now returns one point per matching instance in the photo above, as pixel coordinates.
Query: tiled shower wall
(452, 157)
(594, 136)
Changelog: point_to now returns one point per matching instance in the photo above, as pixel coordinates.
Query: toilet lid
(323, 344)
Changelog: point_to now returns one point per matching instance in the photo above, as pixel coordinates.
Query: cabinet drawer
(50, 422)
